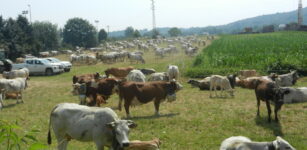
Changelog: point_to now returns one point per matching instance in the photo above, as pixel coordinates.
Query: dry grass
(193, 122)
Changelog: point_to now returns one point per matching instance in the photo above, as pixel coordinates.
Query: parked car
(39, 66)
(66, 64)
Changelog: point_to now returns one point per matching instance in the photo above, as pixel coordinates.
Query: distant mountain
(234, 27)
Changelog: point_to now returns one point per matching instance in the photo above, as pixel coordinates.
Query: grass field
(193, 122)
(279, 51)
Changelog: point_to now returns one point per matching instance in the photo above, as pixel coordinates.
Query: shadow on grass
(9, 105)
(274, 126)
(154, 116)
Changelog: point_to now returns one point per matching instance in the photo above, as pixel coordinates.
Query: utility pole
(108, 29)
(300, 13)
(97, 22)
(30, 13)
(153, 15)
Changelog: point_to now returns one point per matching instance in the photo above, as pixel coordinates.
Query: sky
(119, 14)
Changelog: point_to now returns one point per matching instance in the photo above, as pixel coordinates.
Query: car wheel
(49, 72)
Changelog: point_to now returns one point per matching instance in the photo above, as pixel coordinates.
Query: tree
(46, 34)
(18, 37)
(155, 33)
(79, 32)
(173, 32)
(102, 35)
(2, 41)
(129, 32)
(136, 34)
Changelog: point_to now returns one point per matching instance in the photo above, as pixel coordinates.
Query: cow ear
(131, 124)
(111, 125)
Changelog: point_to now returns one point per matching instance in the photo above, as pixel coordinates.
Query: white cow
(17, 85)
(159, 76)
(244, 143)
(86, 124)
(136, 75)
(173, 72)
(21, 73)
(295, 95)
(136, 57)
(222, 82)
(288, 79)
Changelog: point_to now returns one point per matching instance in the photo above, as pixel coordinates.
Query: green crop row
(273, 52)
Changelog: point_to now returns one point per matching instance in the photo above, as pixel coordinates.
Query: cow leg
(99, 145)
(127, 105)
(62, 140)
(269, 109)
(258, 105)
(211, 87)
(120, 103)
(157, 105)
(21, 97)
(276, 109)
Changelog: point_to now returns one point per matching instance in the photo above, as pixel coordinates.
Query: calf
(118, 72)
(86, 124)
(203, 84)
(144, 145)
(223, 82)
(269, 92)
(136, 93)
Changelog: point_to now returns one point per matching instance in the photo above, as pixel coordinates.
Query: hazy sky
(119, 14)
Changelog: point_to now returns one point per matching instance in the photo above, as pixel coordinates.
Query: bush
(11, 140)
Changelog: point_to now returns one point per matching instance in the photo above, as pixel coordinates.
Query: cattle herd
(87, 121)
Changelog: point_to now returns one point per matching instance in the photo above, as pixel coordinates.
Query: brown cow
(135, 93)
(270, 93)
(144, 145)
(85, 78)
(97, 91)
(118, 72)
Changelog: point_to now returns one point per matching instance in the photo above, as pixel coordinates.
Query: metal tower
(153, 15)
(300, 13)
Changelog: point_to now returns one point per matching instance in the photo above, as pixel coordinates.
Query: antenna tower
(300, 13)
(153, 8)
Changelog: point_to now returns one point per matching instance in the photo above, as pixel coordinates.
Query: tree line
(19, 37)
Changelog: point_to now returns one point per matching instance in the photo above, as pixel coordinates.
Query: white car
(39, 66)
(66, 64)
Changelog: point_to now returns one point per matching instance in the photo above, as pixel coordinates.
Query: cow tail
(49, 139)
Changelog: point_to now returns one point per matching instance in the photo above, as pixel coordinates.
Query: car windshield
(54, 60)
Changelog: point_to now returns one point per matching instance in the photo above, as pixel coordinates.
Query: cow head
(294, 76)
(107, 86)
(120, 130)
(79, 89)
(171, 89)
(282, 144)
(279, 95)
